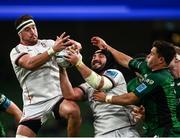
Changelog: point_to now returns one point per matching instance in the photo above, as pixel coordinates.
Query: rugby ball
(60, 59)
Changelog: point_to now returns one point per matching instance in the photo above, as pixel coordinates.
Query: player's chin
(34, 40)
(150, 65)
(95, 67)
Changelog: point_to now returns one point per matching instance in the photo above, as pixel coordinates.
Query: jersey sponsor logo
(30, 50)
(149, 81)
(43, 44)
(111, 73)
(141, 87)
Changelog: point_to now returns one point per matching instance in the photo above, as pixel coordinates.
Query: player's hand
(99, 42)
(138, 113)
(61, 42)
(74, 45)
(99, 96)
(73, 56)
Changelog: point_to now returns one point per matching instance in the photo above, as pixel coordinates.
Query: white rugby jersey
(39, 85)
(109, 117)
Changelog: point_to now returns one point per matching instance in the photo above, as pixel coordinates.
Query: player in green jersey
(9, 107)
(155, 92)
(175, 70)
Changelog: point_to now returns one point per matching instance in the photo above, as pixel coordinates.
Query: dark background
(130, 35)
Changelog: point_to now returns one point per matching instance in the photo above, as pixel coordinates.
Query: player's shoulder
(46, 40)
(16, 49)
(112, 73)
(112, 70)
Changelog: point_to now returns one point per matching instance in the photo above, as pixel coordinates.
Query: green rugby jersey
(177, 88)
(132, 84)
(156, 93)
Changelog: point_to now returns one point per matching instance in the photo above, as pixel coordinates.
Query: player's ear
(162, 60)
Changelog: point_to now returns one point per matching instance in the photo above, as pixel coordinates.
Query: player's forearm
(68, 92)
(120, 57)
(95, 80)
(125, 99)
(37, 61)
(66, 87)
(33, 62)
(84, 70)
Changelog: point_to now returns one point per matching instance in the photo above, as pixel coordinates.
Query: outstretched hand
(73, 56)
(74, 44)
(60, 42)
(99, 42)
(99, 96)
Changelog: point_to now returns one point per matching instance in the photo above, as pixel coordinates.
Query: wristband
(108, 98)
(79, 63)
(51, 52)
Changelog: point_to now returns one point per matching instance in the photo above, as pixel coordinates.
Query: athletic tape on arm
(95, 81)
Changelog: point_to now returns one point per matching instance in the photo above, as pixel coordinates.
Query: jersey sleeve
(138, 65)
(146, 86)
(84, 87)
(115, 76)
(4, 102)
(18, 52)
(21, 50)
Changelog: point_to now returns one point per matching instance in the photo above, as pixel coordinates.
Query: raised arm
(34, 62)
(124, 99)
(120, 57)
(96, 81)
(67, 90)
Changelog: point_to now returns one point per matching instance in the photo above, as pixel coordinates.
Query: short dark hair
(22, 19)
(165, 49)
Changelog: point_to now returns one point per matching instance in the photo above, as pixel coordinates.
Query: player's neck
(27, 43)
(159, 68)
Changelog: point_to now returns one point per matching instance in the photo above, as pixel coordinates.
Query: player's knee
(71, 110)
(74, 110)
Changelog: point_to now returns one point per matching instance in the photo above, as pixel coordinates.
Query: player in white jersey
(38, 74)
(109, 120)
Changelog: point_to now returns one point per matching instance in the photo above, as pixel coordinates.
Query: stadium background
(128, 25)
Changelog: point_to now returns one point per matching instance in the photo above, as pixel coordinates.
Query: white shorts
(126, 132)
(40, 110)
